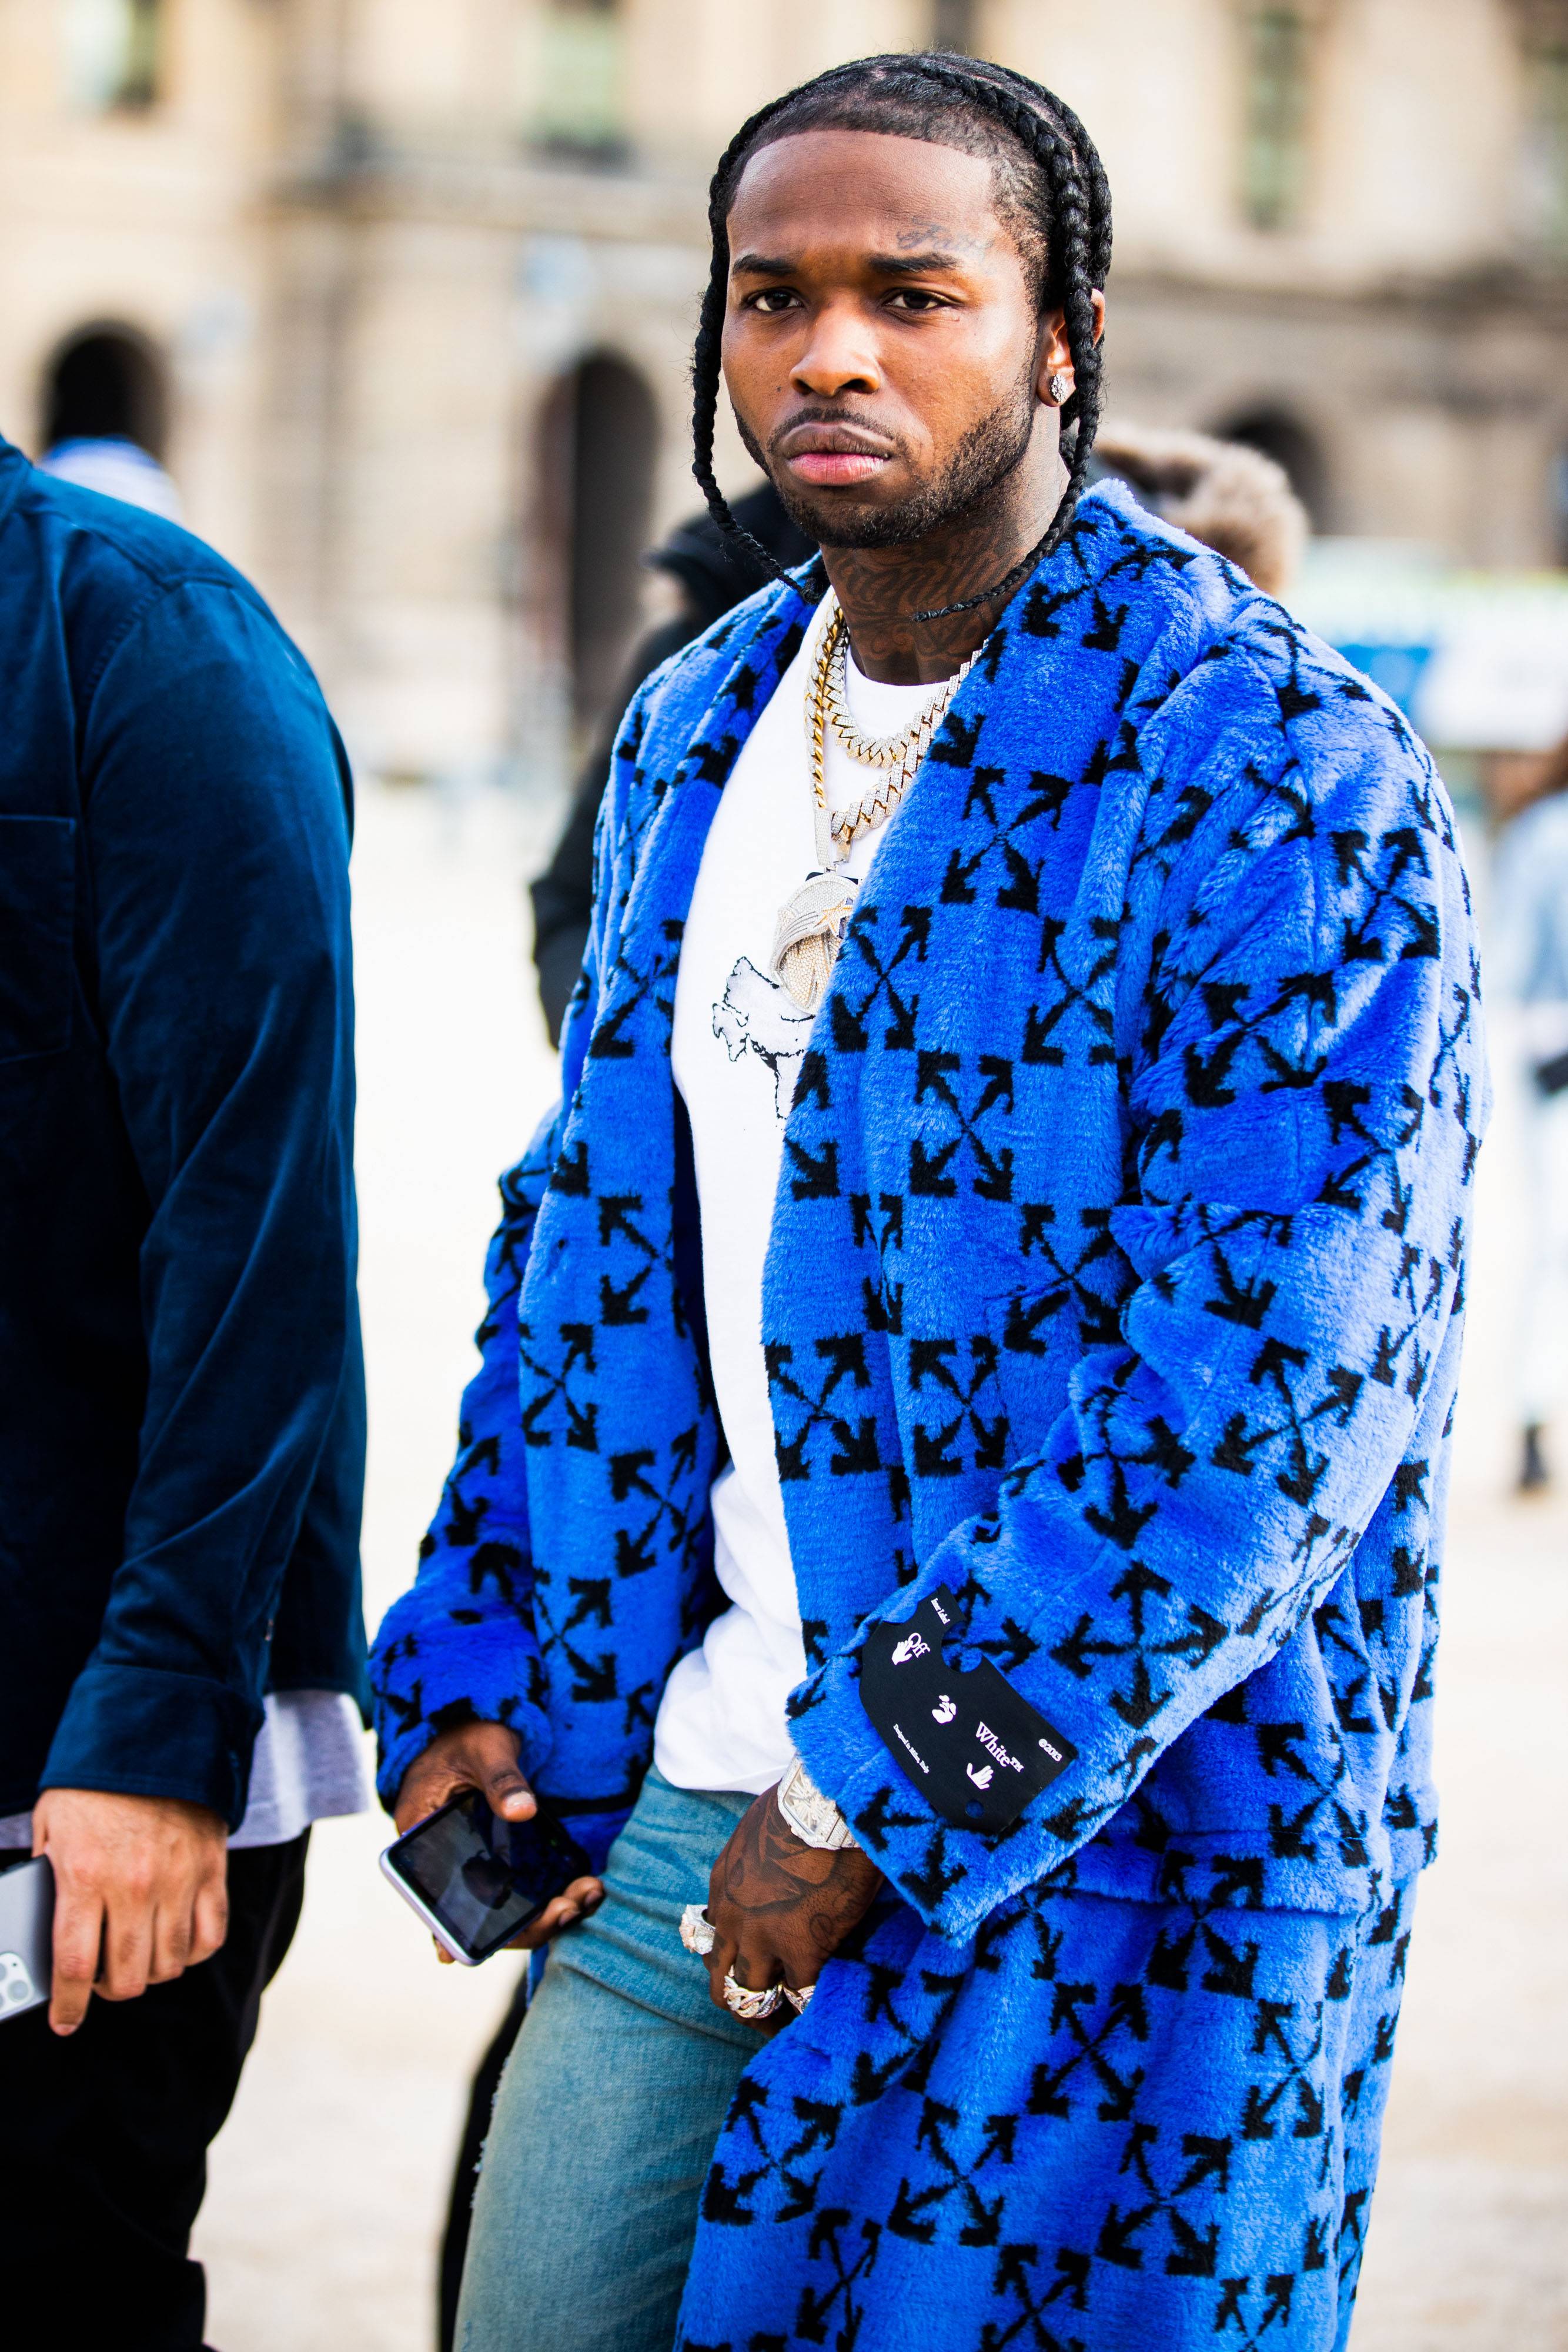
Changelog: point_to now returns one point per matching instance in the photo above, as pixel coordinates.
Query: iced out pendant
(811, 926)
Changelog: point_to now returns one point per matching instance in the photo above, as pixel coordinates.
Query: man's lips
(836, 464)
(830, 454)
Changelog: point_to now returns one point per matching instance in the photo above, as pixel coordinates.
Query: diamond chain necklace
(813, 920)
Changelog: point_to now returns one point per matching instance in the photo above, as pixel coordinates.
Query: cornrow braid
(920, 96)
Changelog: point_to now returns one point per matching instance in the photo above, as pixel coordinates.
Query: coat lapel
(621, 1439)
(666, 871)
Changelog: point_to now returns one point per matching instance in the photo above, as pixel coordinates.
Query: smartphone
(26, 1936)
(475, 1880)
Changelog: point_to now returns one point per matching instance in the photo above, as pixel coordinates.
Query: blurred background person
(1528, 970)
(116, 469)
(1232, 498)
(89, 434)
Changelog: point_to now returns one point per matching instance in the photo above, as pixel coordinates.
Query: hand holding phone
(481, 1883)
(141, 1892)
(481, 1757)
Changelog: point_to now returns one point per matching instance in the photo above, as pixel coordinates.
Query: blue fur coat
(1115, 1283)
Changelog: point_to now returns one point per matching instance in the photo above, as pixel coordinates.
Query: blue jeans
(609, 2109)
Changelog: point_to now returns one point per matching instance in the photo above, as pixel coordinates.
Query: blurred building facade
(404, 293)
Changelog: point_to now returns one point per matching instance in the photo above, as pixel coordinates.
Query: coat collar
(1112, 543)
(1111, 536)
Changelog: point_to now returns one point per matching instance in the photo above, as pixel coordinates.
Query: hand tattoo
(783, 1907)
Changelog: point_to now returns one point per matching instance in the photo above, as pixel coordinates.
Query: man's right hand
(484, 1756)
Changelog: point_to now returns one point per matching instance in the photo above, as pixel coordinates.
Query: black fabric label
(977, 1749)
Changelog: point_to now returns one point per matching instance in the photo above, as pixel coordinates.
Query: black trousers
(104, 2135)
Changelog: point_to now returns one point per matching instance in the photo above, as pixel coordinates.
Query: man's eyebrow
(912, 265)
(882, 265)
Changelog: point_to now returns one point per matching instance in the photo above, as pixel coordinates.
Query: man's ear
(1056, 353)
(1055, 380)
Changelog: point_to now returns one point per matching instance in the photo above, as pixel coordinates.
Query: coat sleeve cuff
(936, 1868)
(954, 1877)
(439, 1661)
(118, 1717)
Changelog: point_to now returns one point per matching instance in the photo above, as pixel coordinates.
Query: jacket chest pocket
(38, 905)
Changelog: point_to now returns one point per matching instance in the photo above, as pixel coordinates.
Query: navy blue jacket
(182, 1437)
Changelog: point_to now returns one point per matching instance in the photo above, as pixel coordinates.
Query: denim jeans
(609, 2109)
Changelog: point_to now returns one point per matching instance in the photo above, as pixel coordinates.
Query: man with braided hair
(949, 1509)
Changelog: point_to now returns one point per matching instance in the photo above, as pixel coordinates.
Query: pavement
(328, 2184)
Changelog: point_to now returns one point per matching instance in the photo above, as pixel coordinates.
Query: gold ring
(744, 2003)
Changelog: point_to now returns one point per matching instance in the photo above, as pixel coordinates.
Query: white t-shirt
(735, 1052)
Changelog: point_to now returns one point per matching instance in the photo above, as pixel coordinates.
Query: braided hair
(1051, 194)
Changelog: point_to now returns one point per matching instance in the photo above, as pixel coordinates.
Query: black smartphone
(475, 1880)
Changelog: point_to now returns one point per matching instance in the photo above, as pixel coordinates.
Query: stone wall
(369, 284)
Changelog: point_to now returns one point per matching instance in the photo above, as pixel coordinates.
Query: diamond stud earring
(1061, 387)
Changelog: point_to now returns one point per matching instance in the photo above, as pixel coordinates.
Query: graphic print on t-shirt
(757, 1014)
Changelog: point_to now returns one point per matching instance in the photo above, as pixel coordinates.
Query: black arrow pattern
(1078, 2200)
(1174, 2143)
(1117, 1285)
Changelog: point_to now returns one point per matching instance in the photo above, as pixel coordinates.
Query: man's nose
(840, 354)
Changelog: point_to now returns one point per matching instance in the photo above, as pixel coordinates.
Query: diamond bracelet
(815, 1819)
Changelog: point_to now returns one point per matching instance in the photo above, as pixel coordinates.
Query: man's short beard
(988, 453)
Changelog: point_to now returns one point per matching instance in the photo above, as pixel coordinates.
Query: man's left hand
(779, 1907)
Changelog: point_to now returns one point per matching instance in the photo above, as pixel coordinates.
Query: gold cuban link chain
(901, 753)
